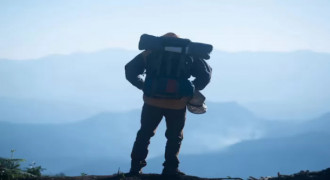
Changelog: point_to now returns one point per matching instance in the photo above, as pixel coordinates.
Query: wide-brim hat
(197, 104)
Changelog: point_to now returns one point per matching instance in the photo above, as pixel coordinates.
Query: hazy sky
(36, 28)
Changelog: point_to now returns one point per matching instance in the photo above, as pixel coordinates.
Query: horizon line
(131, 50)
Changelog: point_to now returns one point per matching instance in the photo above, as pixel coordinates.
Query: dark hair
(170, 34)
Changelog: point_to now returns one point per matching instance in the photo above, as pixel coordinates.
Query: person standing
(167, 89)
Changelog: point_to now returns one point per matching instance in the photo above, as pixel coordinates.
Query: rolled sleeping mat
(175, 42)
(200, 50)
(149, 42)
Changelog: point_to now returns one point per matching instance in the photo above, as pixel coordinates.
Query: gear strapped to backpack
(168, 65)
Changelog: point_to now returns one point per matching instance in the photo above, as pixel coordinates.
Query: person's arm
(202, 73)
(134, 69)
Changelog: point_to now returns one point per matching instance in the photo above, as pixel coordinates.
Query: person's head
(170, 34)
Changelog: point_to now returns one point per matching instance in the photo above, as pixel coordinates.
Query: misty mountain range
(272, 84)
(76, 113)
(234, 142)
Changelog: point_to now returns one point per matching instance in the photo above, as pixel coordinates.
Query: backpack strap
(158, 63)
(169, 64)
(182, 63)
(144, 55)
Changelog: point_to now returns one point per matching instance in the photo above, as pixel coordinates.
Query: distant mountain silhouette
(111, 135)
(84, 78)
(264, 157)
(319, 124)
(272, 84)
(45, 112)
(234, 138)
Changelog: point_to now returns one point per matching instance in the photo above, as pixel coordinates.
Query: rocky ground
(303, 175)
(122, 176)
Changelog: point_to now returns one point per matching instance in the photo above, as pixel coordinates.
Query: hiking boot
(134, 172)
(172, 172)
(136, 168)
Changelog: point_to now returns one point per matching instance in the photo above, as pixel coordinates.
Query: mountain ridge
(110, 136)
(302, 51)
(269, 84)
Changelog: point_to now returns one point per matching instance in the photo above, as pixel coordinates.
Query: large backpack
(167, 75)
(168, 65)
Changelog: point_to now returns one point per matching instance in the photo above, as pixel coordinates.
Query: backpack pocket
(167, 88)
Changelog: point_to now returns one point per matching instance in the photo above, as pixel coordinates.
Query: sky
(37, 28)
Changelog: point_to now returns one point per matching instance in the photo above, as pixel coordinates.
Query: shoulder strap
(144, 55)
(182, 63)
(165, 63)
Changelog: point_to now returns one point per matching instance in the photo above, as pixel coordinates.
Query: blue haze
(77, 113)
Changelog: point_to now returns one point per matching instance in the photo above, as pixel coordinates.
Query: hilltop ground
(303, 175)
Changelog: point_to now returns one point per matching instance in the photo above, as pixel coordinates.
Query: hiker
(166, 92)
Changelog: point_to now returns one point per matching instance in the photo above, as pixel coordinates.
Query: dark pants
(150, 118)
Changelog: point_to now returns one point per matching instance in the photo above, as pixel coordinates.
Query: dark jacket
(137, 66)
(135, 69)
